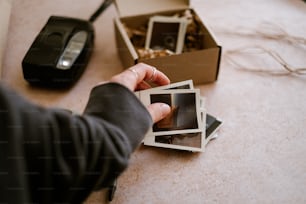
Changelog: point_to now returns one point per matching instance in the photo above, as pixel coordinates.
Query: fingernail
(165, 109)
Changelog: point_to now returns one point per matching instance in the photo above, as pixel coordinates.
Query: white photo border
(168, 19)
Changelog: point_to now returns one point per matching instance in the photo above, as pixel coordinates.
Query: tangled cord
(273, 32)
(250, 50)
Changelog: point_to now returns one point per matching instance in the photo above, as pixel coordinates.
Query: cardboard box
(202, 66)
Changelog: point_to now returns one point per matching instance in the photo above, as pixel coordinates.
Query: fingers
(135, 77)
(143, 85)
(150, 73)
(158, 111)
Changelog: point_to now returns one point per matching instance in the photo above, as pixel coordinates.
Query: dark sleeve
(54, 156)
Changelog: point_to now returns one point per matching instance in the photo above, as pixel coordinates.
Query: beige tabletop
(259, 156)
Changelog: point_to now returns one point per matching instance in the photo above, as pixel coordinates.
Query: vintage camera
(59, 53)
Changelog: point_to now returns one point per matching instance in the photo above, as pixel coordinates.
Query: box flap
(138, 7)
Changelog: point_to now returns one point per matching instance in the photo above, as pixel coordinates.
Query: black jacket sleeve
(50, 155)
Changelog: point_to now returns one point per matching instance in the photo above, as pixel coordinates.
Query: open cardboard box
(202, 66)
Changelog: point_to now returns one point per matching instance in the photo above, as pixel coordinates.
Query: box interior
(142, 20)
(201, 64)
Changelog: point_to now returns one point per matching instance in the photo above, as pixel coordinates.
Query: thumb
(158, 111)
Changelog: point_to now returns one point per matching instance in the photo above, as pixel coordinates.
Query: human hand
(136, 78)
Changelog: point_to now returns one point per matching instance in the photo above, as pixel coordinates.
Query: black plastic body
(39, 63)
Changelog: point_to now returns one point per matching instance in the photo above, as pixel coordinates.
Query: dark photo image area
(186, 140)
(212, 124)
(164, 36)
(183, 114)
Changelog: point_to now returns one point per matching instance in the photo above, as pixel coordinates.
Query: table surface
(259, 156)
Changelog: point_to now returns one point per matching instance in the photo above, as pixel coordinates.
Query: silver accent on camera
(72, 51)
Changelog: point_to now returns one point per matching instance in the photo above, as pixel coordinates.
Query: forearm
(68, 155)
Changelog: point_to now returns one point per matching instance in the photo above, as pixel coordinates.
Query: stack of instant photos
(188, 126)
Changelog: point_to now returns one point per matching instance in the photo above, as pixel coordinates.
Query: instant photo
(212, 125)
(186, 140)
(170, 132)
(187, 84)
(166, 33)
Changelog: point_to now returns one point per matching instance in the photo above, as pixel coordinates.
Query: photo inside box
(164, 36)
(197, 36)
(183, 113)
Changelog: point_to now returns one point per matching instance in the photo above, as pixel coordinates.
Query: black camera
(60, 52)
